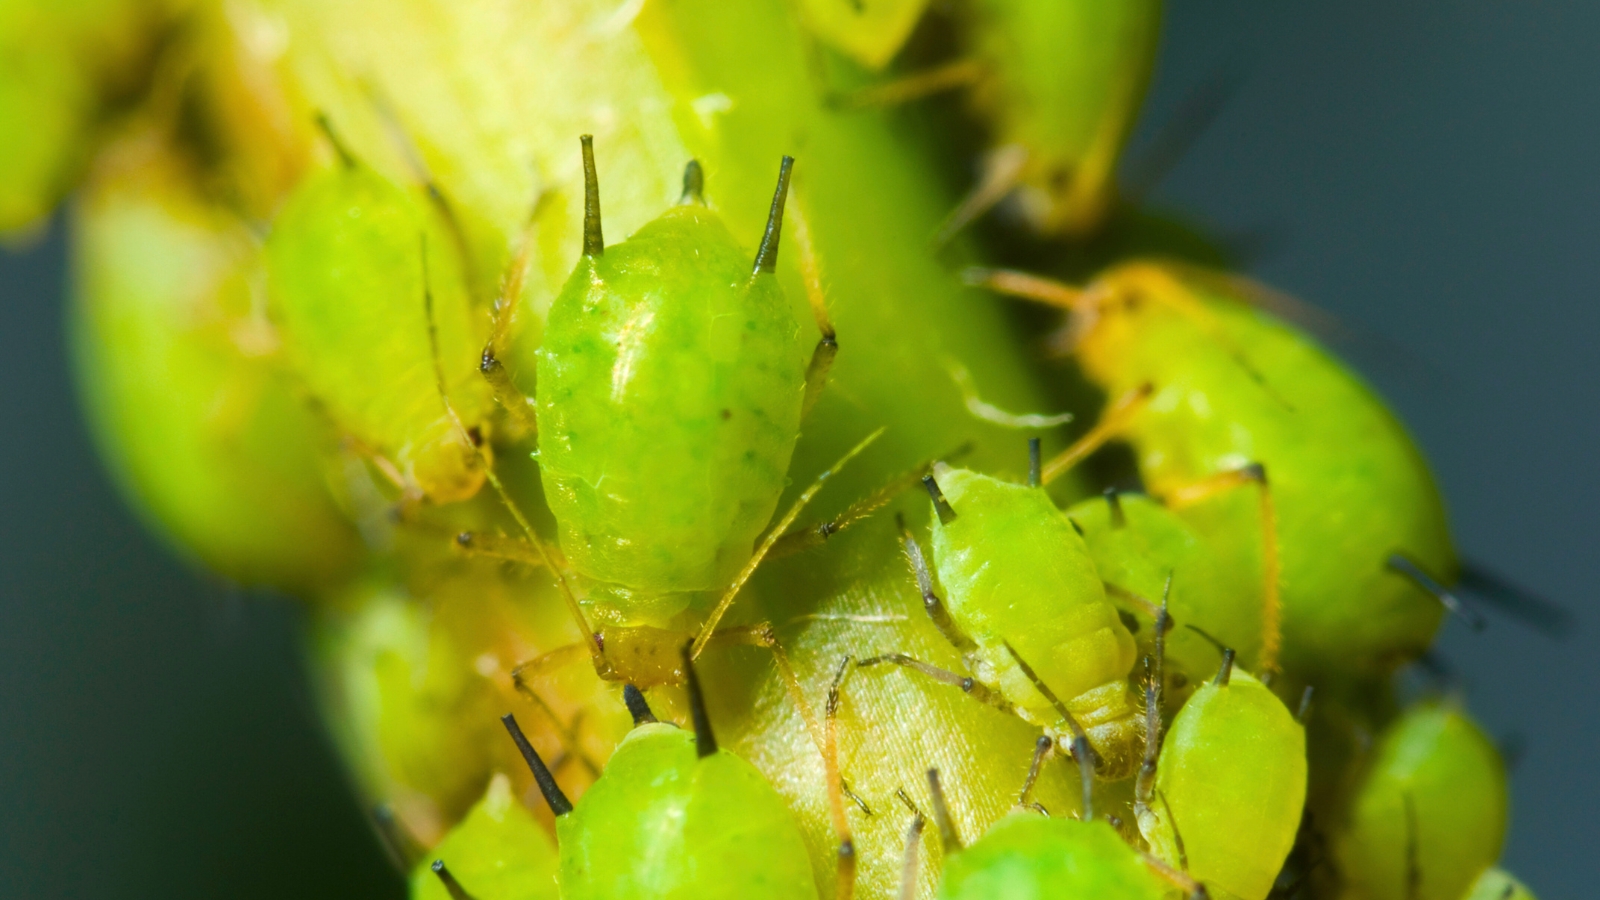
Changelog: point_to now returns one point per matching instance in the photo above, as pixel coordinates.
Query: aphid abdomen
(670, 385)
(1017, 573)
(1234, 387)
(1026, 856)
(345, 267)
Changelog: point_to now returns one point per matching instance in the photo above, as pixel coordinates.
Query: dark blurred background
(1423, 170)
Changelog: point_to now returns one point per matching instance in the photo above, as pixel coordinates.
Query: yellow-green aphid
(670, 385)
(181, 380)
(1137, 544)
(1430, 814)
(1023, 590)
(1060, 83)
(352, 261)
(1498, 884)
(1229, 787)
(1242, 400)
(673, 816)
(498, 852)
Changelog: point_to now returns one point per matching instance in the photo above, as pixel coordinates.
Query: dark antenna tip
(559, 804)
(325, 125)
(451, 885)
(694, 184)
(633, 698)
(1404, 565)
(1035, 466)
(941, 814)
(1085, 756)
(594, 242)
(1119, 519)
(767, 255)
(1305, 705)
(1226, 672)
(705, 743)
(947, 513)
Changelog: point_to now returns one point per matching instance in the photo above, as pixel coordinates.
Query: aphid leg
(1014, 283)
(931, 602)
(1178, 879)
(763, 635)
(451, 885)
(398, 843)
(971, 686)
(948, 836)
(915, 86)
(596, 652)
(1002, 169)
(559, 804)
(1113, 422)
(1145, 786)
(517, 405)
(497, 546)
(1080, 738)
(772, 537)
(1041, 751)
(845, 885)
(556, 659)
(566, 734)
(1271, 566)
(1406, 566)
(828, 344)
(802, 539)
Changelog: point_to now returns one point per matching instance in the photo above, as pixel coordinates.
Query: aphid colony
(1151, 637)
(1200, 655)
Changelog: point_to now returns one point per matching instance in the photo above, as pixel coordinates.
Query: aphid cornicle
(1229, 788)
(674, 816)
(498, 851)
(1333, 485)
(349, 261)
(1429, 816)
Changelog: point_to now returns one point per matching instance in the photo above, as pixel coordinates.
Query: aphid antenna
(566, 733)
(767, 254)
(1177, 834)
(827, 348)
(1014, 283)
(1041, 752)
(596, 653)
(941, 506)
(846, 875)
(1119, 519)
(774, 534)
(1085, 755)
(931, 602)
(948, 835)
(694, 185)
(1113, 422)
(633, 698)
(1516, 600)
(451, 885)
(398, 843)
(1303, 712)
(559, 804)
(1183, 881)
(705, 742)
(912, 860)
(1078, 734)
(1035, 462)
(1226, 671)
(325, 125)
(594, 241)
(1406, 566)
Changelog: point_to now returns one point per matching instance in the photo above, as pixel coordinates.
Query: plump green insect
(1241, 399)
(354, 264)
(181, 380)
(1429, 816)
(674, 816)
(1228, 790)
(1026, 856)
(498, 852)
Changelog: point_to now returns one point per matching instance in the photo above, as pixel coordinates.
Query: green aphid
(1027, 609)
(180, 379)
(498, 852)
(670, 385)
(354, 264)
(676, 817)
(1288, 467)
(1498, 884)
(1026, 856)
(1226, 799)
(1429, 816)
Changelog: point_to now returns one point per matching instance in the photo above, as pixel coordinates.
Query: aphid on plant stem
(1241, 399)
(674, 816)
(344, 274)
(498, 850)
(1429, 816)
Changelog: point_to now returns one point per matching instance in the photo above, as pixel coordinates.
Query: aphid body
(1026, 856)
(498, 851)
(670, 384)
(1429, 816)
(354, 265)
(1229, 788)
(1498, 884)
(1021, 584)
